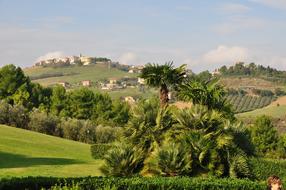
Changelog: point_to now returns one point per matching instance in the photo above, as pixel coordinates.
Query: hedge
(263, 168)
(98, 150)
(135, 183)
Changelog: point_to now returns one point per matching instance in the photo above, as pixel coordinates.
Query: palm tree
(163, 77)
(207, 93)
(149, 124)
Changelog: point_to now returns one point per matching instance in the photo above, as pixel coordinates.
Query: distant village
(72, 60)
(109, 84)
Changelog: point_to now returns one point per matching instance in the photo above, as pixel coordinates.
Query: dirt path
(280, 101)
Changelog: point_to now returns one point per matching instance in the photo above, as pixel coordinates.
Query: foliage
(263, 168)
(208, 93)
(240, 69)
(99, 150)
(147, 128)
(213, 140)
(11, 79)
(171, 159)
(58, 100)
(107, 134)
(43, 122)
(163, 77)
(71, 128)
(15, 116)
(80, 103)
(264, 136)
(135, 183)
(122, 160)
(87, 132)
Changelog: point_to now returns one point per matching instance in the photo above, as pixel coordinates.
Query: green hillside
(74, 74)
(271, 110)
(26, 153)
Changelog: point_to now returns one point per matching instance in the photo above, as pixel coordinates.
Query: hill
(276, 109)
(26, 153)
(74, 74)
(96, 73)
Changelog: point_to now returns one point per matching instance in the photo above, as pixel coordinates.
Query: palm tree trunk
(164, 95)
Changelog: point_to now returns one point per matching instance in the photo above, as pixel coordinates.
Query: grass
(271, 110)
(249, 82)
(27, 153)
(76, 74)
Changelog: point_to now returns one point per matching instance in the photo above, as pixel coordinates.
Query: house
(64, 84)
(112, 81)
(86, 83)
(141, 80)
(129, 99)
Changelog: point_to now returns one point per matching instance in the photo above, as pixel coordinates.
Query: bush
(71, 128)
(170, 160)
(18, 117)
(87, 132)
(99, 150)
(137, 183)
(106, 134)
(262, 168)
(123, 160)
(43, 122)
(15, 116)
(264, 136)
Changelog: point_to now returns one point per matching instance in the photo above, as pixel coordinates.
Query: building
(141, 81)
(86, 83)
(86, 60)
(112, 81)
(64, 84)
(129, 99)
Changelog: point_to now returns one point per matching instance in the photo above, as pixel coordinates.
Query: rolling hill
(74, 74)
(27, 153)
(276, 109)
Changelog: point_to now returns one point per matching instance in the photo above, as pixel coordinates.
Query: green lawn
(26, 153)
(271, 110)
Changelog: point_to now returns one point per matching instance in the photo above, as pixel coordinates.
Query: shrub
(99, 150)
(172, 159)
(4, 112)
(122, 160)
(43, 122)
(71, 128)
(18, 117)
(263, 168)
(87, 132)
(15, 116)
(137, 183)
(106, 134)
(264, 135)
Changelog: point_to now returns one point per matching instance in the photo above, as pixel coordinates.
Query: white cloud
(225, 54)
(129, 58)
(234, 8)
(280, 4)
(51, 55)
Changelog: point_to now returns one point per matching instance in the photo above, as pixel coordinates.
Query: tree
(58, 100)
(11, 79)
(264, 135)
(80, 103)
(208, 93)
(163, 77)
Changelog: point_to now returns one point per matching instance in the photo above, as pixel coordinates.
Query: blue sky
(203, 34)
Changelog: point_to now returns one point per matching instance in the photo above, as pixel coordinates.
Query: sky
(203, 34)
